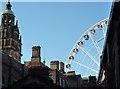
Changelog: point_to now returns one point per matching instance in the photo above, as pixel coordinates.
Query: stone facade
(69, 79)
(10, 48)
(109, 76)
(12, 70)
(35, 58)
(35, 80)
(10, 39)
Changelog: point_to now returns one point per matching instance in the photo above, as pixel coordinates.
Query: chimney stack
(62, 67)
(36, 53)
(54, 65)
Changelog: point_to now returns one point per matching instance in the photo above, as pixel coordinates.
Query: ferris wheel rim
(87, 31)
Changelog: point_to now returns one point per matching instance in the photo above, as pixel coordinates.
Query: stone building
(69, 79)
(35, 80)
(10, 48)
(35, 58)
(72, 80)
(42, 71)
(12, 70)
(34, 72)
(36, 62)
(109, 76)
(89, 82)
(10, 39)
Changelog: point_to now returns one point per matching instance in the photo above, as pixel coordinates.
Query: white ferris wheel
(84, 57)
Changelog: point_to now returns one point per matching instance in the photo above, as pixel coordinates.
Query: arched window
(9, 19)
(7, 42)
(3, 42)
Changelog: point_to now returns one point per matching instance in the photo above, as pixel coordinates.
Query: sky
(55, 26)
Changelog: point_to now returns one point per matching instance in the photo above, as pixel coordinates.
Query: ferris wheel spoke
(91, 64)
(100, 39)
(85, 66)
(88, 48)
(96, 45)
(89, 55)
(104, 33)
(92, 37)
(91, 71)
(88, 69)
(83, 58)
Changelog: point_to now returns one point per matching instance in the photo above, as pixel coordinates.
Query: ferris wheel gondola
(85, 46)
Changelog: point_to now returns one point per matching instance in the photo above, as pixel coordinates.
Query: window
(7, 42)
(3, 42)
(12, 43)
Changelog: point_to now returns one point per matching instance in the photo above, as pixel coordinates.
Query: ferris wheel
(84, 57)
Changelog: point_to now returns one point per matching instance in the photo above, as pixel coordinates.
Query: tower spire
(8, 18)
(8, 5)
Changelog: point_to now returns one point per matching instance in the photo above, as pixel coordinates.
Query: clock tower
(10, 39)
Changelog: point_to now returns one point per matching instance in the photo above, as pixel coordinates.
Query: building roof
(8, 12)
(8, 9)
(34, 81)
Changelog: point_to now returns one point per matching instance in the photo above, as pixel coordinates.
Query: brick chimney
(36, 53)
(62, 67)
(54, 65)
